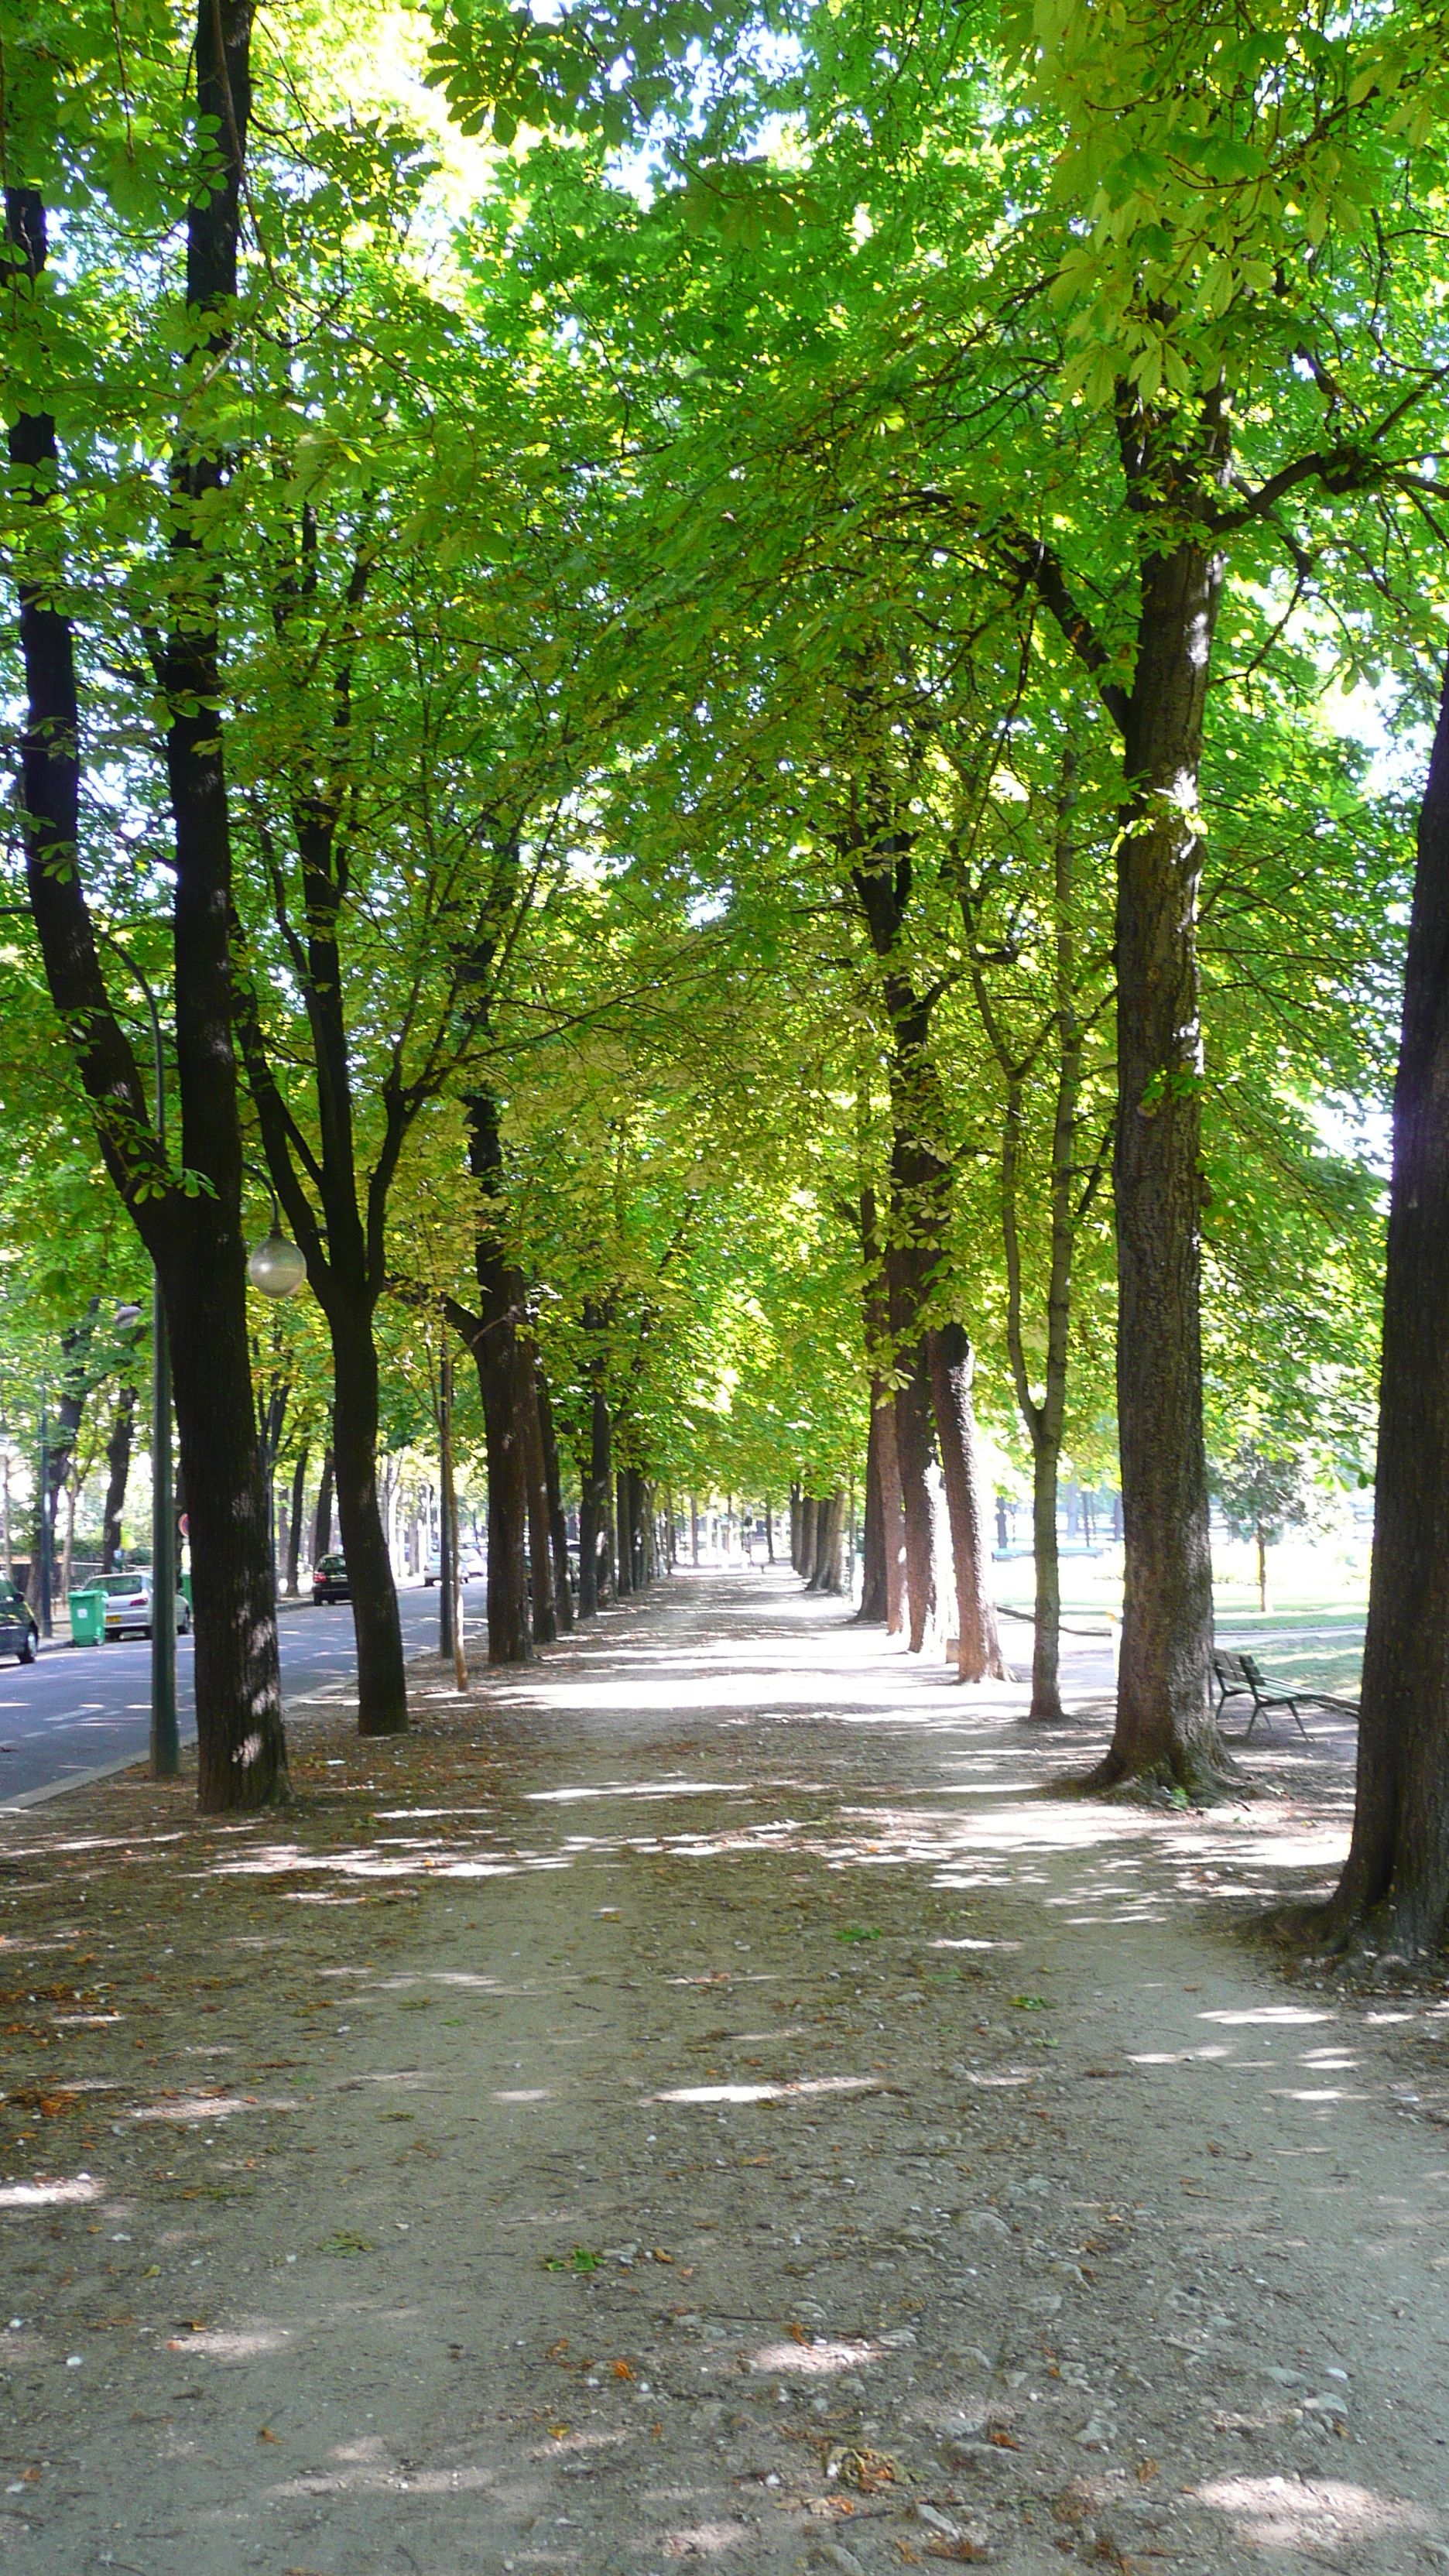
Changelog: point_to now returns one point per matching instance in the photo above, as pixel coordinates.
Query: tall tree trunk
(118, 1475)
(1046, 1634)
(694, 1528)
(540, 1541)
(295, 1518)
(809, 1514)
(594, 1472)
(195, 1240)
(624, 1573)
(558, 1528)
(492, 1336)
(952, 1366)
(1397, 1874)
(913, 1423)
(382, 1699)
(636, 1529)
(829, 1533)
(1164, 1722)
(322, 1516)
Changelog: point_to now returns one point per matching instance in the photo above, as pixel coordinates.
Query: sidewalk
(696, 2101)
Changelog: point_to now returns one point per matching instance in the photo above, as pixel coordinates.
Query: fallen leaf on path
(267, 2435)
(344, 2242)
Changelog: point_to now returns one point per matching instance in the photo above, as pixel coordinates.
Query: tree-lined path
(697, 2100)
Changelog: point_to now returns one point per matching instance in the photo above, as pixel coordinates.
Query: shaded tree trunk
(196, 1241)
(294, 1524)
(913, 1429)
(558, 1528)
(809, 1515)
(952, 1365)
(829, 1531)
(636, 1517)
(492, 1336)
(322, 1516)
(540, 1541)
(118, 1475)
(1165, 1724)
(624, 1574)
(694, 1528)
(382, 1700)
(594, 1474)
(1396, 1878)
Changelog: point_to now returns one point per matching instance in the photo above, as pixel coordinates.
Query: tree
(190, 1221)
(1396, 1878)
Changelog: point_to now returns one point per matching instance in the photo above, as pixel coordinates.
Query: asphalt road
(79, 1707)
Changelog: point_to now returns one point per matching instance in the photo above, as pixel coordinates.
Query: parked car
(19, 1635)
(474, 1568)
(329, 1580)
(128, 1606)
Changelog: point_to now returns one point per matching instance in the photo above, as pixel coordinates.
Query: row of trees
(731, 777)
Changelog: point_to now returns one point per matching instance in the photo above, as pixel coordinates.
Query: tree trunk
(491, 1335)
(1046, 1702)
(558, 1528)
(624, 1574)
(830, 1530)
(694, 1527)
(294, 1524)
(1164, 1722)
(636, 1529)
(913, 1417)
(795, 1527)
(118, 1466)
(540, 1543)
(952, 1366)
(450, 1570)
(1262, 1570)
(195, 1241)
(1397, 1874)
(382, 1700)
(809, 1518)
(322, 1517)
(874, 1585)
(769, 1533)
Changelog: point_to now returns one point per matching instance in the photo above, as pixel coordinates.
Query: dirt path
(697, 2101)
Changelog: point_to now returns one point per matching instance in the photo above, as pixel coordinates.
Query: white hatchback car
(128, 1606)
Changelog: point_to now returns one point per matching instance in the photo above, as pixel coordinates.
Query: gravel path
(697, 2101)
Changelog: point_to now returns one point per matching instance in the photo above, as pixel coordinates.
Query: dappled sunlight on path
(706, 2096)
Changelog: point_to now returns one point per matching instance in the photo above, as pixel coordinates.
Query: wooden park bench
(1237, 1673)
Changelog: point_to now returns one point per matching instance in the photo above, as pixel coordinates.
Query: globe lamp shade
(276, 1266)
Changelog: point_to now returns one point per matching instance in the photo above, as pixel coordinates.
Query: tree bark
(829, 1532)
(809, 1514)
(492, 1336)
(540, 1543)
(636, 1514)
(1396, 1879)
(382, 1699)
(322, 1516)
(558, 1528)
(1164, 1717)
(953, 1365)
(294, 1523)
(118, 1475)
(694, 1528)
(195, 1239)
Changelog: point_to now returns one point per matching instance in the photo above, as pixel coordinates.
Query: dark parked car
(329, 1580)
(18, 1632)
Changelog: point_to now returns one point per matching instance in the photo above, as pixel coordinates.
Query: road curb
(76, 1780)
